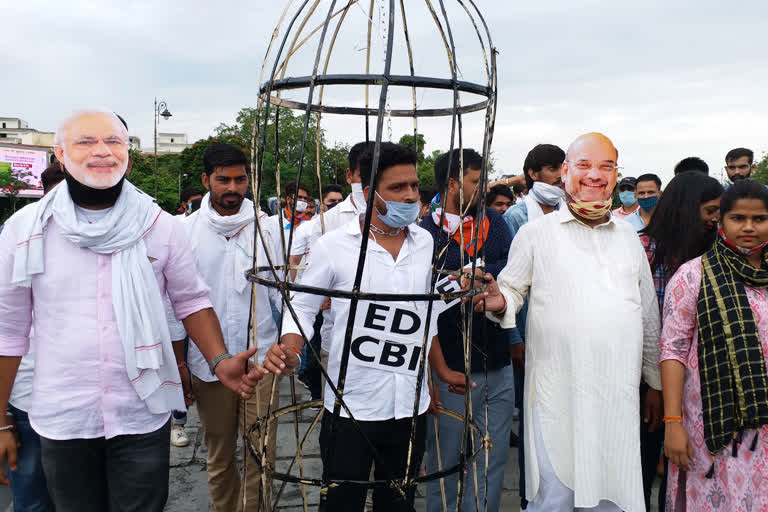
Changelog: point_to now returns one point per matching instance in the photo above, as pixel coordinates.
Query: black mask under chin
(84, 195)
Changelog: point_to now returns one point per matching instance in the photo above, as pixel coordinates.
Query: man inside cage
(461, 236)
(221, 239)
(592, 331)
(380, 381)
(307, 235)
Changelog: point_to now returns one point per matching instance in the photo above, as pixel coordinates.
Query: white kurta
(592, 328)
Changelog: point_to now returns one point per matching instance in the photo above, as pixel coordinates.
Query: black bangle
(213, 364)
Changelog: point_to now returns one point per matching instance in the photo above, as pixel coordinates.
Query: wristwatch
(212, 365)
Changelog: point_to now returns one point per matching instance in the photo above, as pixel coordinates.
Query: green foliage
(169, 167)
(761, 171)
(333, 160)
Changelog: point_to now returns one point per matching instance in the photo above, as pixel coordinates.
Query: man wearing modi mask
(87, 267)
(592, 331)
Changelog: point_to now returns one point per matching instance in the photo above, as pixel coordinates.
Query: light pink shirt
(621, 213)
(81, 388)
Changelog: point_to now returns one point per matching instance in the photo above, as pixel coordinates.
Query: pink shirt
(621, 213)
(81, 388)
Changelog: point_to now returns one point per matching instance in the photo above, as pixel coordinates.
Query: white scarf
(546, 194)
(138, 305)
(233, 226)
(452, 221)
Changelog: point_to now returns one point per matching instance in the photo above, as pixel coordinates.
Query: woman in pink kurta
(740, 483)
(736, 478)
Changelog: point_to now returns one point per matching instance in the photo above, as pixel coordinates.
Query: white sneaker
(179, 436)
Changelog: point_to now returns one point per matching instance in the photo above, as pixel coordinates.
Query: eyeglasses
(742, 167)
(586, 165)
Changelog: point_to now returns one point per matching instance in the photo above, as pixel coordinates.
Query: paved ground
(189, 490)
(188, 484)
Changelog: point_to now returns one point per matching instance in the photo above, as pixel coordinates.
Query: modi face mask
(93, 146)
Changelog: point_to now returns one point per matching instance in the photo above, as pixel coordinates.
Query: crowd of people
(629, 342)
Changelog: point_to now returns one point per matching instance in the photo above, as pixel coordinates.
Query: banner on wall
(25, 164)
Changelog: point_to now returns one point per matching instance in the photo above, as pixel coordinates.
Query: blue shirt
(515, 217)
(636, 220)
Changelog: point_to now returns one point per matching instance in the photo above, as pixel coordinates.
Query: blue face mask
(648, 203)
(399, 215)
(627, 198)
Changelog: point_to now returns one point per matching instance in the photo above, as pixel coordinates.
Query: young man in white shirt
(340, 215)
(593, 330)
(221, 238)
(381, 378)
(281, 225)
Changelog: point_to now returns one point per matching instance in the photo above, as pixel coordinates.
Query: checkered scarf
(734, 387)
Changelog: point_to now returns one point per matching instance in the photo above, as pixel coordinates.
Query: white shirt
(300, 245)
(592, 329)
(371, 394)
(335, 218)
(215, 258)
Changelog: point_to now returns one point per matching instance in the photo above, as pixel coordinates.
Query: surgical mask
(627, 198)
(399, 215)
(546, 194)
(332, 205)
(358, 197)
(648, 203)
(741, 250)
(301, 206)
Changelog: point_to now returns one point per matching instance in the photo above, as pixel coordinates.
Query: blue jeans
(500, 408)
(28, 485)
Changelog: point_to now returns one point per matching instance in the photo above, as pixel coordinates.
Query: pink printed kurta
(739, 484)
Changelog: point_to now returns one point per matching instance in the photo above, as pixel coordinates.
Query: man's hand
(434, 399)
(457, 381)
(517, 354)
(326, 304)
(186, 385)
(677, 446)
(280, 359)
(492, 297)
(8, 447)
(231, 373)
(653, 409)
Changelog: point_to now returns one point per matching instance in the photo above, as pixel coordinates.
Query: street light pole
(157, 110)
(185, 175)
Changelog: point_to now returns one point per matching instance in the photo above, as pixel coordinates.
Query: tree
(288, 153)
(418, 146)
(169, 168)
(761, 171)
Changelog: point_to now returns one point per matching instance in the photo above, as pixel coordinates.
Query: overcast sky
(662, 82)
